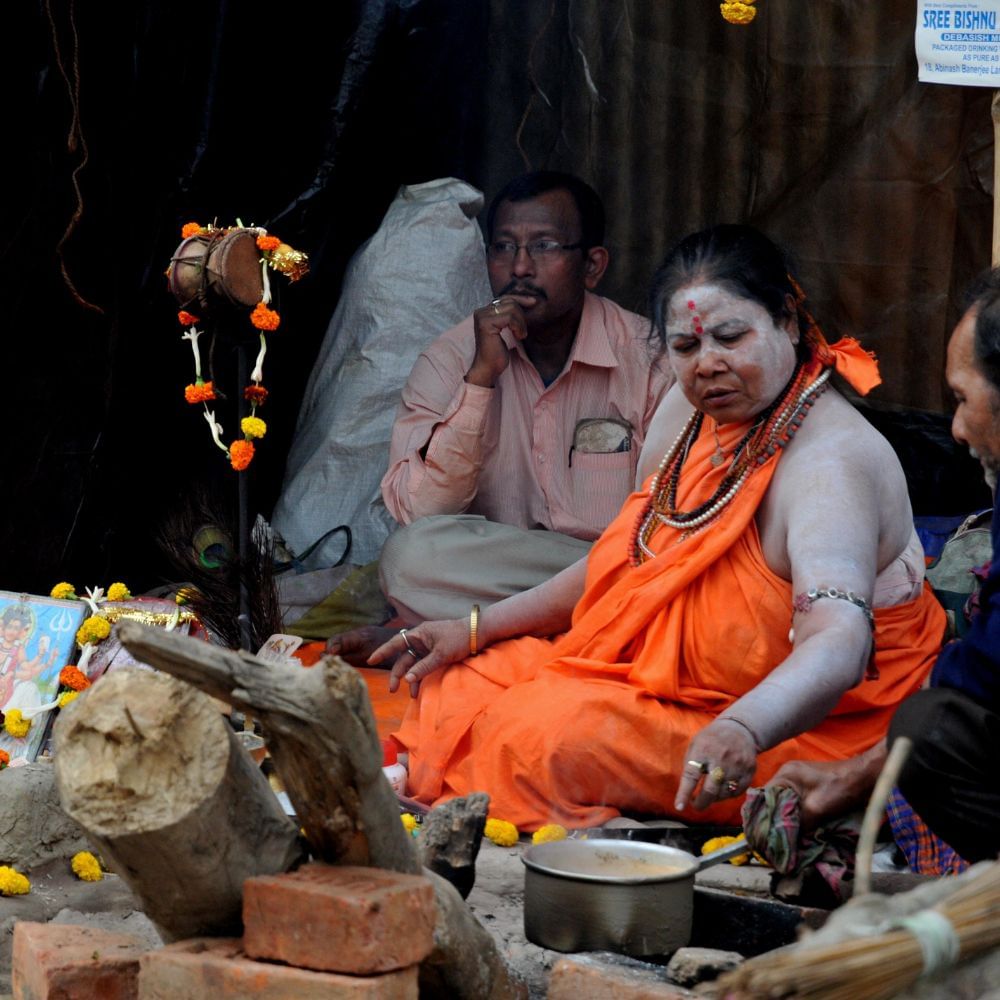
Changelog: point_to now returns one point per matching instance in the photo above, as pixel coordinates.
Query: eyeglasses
(537, 249)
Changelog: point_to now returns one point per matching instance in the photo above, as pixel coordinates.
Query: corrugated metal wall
(808, 123)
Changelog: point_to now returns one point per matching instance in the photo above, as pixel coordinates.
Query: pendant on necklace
(718, 457)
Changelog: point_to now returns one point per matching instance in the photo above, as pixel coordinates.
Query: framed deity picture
(37, 639)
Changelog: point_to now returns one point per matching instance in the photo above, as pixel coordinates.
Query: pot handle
(733, 850)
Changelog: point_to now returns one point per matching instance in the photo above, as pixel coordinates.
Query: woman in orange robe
(675, 681)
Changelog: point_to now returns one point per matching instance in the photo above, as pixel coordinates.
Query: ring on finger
(732, 787)
(717, 775)
(409, 648)
(700, 766)
(496, 306)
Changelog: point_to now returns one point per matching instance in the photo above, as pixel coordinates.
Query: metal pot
(612, 895)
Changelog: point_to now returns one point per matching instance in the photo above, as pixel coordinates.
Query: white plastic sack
(422, 272)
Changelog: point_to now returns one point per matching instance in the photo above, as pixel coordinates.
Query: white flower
(257, 375)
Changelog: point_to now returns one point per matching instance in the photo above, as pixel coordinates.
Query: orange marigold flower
(200, 392)
(187, 319)
(240, 454)
(4, 759)
(268, 243)
(73, 678)
(190, 229)
(264, 318)
(255, 394)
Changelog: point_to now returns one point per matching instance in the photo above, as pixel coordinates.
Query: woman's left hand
(722, 758)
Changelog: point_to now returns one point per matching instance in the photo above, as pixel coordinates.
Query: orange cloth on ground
(577, 729)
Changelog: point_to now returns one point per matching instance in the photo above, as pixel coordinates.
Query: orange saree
(577, 729)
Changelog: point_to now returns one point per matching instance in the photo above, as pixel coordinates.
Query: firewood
(450, 837)
(153, 773)
(321, 735)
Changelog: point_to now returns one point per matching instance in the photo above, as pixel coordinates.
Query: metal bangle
(474, 631)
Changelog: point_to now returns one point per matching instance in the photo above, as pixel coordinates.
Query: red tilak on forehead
(696, 326)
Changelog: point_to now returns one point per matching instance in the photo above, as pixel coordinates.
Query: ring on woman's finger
(698, 765)
(732, 787)
(717, 775)
(409, 648)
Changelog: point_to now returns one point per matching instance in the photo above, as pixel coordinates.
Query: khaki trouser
(439, 566)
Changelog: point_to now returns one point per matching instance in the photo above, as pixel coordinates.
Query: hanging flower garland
(276, 256)
(738, 13)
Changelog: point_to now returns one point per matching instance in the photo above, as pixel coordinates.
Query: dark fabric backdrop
(809, 123)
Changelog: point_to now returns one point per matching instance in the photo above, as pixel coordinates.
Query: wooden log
(322, 738)
(320, 734)
(450, 837)
(154, 774)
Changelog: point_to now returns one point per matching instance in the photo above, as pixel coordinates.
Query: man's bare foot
(358, 644)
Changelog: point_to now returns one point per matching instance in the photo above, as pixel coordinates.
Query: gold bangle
(474, 631)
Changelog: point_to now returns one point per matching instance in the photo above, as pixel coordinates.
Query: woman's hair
(738, 257)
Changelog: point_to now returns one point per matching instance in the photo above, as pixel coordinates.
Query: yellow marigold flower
(716, 842)
(738, 13)
(63, 592)
(253, 427)
(409, 822)
(94, 629)
(190, 229)
(118, 592)
(66, 697)
(13, 883)
(86, 867)
(549, 832)
(16, 724)
(502, 833)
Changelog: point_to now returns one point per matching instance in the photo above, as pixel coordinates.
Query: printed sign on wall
(958, 41)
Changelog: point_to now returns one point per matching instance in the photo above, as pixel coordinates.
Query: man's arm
(436, 451)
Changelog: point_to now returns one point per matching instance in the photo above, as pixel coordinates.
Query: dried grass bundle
(882, 964)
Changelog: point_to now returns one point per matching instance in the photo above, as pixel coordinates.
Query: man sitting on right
(950, 778)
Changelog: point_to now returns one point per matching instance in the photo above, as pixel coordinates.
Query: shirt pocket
(601, 482)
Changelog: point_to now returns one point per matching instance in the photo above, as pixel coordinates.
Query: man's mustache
(520, 288)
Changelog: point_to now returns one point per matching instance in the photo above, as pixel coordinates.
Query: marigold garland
(119, 592)
(13, 883)
(276, 256)
(548, 833)
(4, 759)
(66, 697)
(15, 724)
(502, 833)
(86, 867)
(73, 678)
(63, 592)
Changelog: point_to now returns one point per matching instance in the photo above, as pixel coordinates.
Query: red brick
(70, 962)
(338, 918)
(573, 978)
(218, 969)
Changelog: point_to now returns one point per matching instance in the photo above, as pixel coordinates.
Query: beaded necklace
(772, 429)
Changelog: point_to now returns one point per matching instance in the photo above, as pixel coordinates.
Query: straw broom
(874, 967)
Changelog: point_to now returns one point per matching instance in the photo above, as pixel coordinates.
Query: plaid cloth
(926, 853)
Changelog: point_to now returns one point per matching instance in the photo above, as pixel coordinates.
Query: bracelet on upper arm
(474, 631)
(803, 603)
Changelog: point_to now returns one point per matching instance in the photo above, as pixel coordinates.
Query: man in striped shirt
(519, 430)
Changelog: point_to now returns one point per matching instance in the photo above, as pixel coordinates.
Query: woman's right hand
(434, 645)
